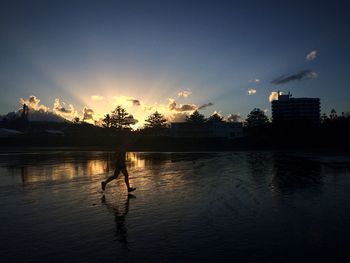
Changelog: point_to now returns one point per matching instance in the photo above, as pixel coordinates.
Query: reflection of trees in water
(119, 209)
(293, 173)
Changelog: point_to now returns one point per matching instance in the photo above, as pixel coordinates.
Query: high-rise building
(295, 110)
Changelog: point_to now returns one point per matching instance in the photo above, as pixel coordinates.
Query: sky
(87, 57)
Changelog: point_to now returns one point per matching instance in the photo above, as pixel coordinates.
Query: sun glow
(91, 96)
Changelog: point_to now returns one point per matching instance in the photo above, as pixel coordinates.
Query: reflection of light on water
(135, 160)
(63, 171)
(145, 170)
(32, 174)
(68, 170)
(96, 167)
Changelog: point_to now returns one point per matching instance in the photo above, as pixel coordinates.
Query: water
(233, 206)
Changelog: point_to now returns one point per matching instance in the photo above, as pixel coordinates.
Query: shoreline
(24, 149)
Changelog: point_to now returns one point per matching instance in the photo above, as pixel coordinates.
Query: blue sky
(152, 50)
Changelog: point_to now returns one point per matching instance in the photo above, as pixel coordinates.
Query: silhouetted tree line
(259, 131)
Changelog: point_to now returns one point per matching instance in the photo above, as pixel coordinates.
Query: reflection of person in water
(120, 167)
(119, 217)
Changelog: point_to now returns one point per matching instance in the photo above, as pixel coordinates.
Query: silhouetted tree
(155, 121)
(215, 118)
(324, 118)
(196, 117)
(106, 122)
(121, 119)
(333, 115)
(256, 118)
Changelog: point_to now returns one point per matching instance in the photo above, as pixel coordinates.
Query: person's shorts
(120, 167)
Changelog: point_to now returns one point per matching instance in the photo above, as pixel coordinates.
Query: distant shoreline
(27, 148)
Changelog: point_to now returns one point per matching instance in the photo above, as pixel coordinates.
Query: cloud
(274, 95)
(187, 107)
(126, 101)
(135, 102)
(62, 110)
(254, 80)
(234, 118)
(251, 91)
(97, 97)
(206, 105)
(33, 103)
(172, 104)
(178, 117)
(266, 110)
(312, 55)
(88, 114)
(149, 108)
(184, 93)
(297, 76)
(183, 107)
(59, 112)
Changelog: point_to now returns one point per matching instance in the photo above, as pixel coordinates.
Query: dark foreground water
(235, 206)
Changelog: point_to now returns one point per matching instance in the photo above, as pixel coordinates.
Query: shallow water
(232, 206)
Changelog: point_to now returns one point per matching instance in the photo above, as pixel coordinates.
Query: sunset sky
(172, 56)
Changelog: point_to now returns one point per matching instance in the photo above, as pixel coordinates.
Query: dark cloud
(205, 105)
(64, 110)
(187, 107)
(135, 102)
(310, 74)
(183, 107)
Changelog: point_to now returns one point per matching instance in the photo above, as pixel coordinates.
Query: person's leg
(126, 178)
(114, 176)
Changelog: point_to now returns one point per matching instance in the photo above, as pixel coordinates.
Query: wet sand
(232, 206)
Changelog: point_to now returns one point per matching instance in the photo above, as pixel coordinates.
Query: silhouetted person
(120, 167)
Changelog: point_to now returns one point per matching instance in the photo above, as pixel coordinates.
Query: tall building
(295, 110)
